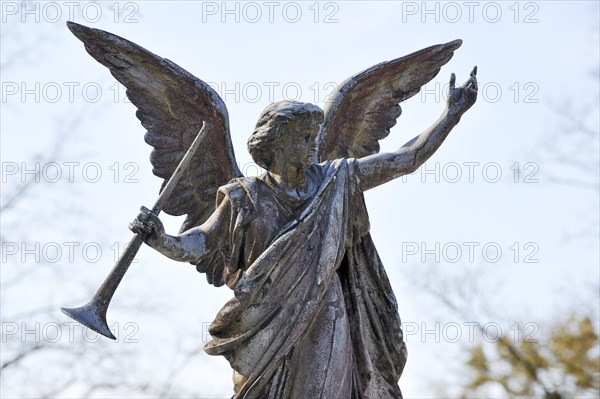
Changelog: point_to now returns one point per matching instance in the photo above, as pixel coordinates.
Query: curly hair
(273, 124)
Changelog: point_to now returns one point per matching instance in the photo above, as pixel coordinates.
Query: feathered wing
(365, 107)
(172, 103)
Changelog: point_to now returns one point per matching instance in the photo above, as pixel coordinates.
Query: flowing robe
(313, 315)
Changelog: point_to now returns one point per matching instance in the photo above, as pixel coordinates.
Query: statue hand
(460, 99)
(147, 222)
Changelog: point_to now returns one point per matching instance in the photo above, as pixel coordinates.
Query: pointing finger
(452, 80)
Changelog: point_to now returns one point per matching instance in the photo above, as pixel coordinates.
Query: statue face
(298, 143)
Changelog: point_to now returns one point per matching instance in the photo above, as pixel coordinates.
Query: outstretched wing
(172, 103)
(365, 107)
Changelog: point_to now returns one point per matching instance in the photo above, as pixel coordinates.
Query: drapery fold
(320, 279)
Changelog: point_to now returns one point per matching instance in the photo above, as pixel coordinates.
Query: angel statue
(313, 314)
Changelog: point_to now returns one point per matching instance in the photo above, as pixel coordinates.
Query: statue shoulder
(333, 166)
(241, 192)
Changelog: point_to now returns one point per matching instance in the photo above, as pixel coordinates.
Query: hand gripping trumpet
(93, 314)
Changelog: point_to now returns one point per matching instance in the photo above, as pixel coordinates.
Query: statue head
(281, 124)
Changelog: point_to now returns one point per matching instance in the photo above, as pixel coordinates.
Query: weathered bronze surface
(313, 314)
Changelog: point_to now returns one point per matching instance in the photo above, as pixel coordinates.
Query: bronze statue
(313, 314)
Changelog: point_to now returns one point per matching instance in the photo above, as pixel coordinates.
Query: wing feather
(172, 103)
(366, 106)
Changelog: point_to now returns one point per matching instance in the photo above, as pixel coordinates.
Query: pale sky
(532, 58)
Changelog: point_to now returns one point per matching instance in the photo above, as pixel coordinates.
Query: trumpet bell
(91, 316)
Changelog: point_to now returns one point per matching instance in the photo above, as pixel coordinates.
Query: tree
(565, 364)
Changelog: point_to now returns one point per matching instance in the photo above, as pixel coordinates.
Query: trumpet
(93, 314)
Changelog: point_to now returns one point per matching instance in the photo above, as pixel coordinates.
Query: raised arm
(189, 246)
(378, 169)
